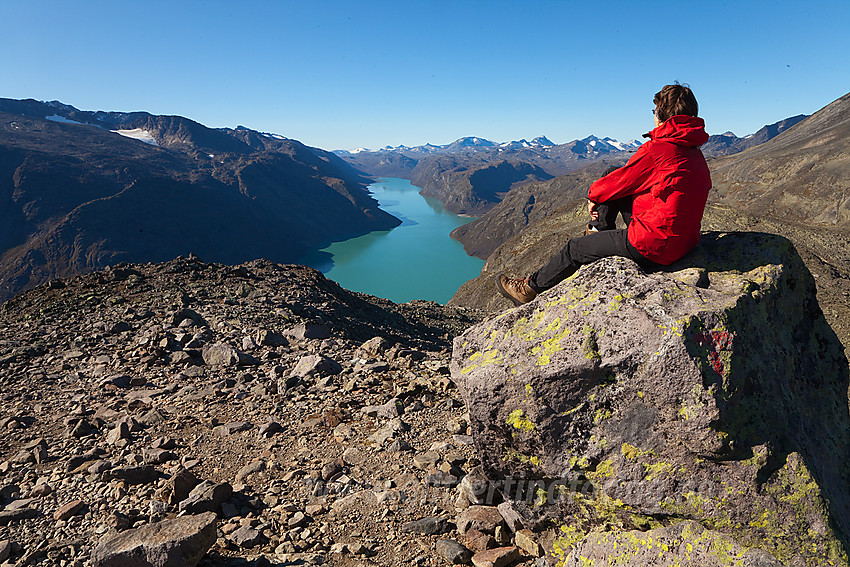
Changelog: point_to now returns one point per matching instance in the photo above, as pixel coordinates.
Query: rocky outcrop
(711, 391)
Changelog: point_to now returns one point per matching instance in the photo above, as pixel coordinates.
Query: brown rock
(68, 510)
(479, 541)
(526, 541)
(482, 518)
(498, 557)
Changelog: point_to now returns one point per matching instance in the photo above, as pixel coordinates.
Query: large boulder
(712, 391)
(179, 542)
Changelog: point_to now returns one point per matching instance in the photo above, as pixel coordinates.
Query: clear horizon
(339, 75)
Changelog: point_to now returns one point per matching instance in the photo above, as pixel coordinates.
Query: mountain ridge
(77, 196)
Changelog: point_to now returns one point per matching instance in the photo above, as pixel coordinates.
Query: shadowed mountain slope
(75, 195)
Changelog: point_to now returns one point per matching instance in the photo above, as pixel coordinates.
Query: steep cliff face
(711, 391)
(472, 189)
(75, 195)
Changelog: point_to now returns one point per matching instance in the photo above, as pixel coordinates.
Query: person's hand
(591, 208)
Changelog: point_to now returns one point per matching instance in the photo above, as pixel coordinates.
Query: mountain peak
(542, 141)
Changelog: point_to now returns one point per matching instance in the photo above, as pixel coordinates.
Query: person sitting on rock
(661, 193)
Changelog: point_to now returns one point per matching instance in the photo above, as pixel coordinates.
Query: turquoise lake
(415, 260)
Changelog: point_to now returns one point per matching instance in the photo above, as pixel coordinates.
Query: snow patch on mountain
(540, 143)
(62, 120)
(138, 134)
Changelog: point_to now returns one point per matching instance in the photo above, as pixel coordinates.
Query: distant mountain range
(587, 145)
(81, 190)
(472, 174)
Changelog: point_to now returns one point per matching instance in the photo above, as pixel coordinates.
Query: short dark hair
(675, 99)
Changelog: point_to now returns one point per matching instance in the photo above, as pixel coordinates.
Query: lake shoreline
(415, 260)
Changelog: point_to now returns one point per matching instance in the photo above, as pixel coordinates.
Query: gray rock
(427, 460)
(297, 520)
(11, 516)
(246, 536)
(5, 550)
(309, 331)
(183, 314)
(270, 429)
(120, 431)
(389, 431)
(431, 525)
(232, 427)
(272, 339)
(9, 492)
(399, 445)
(442, 479)
(157, 456)
(512, 517)
(629, 380)
(220, 354)
(390, 409)
(180, 542)
(117, 380)
(134, 475)
(206, 497)
(249, 469)
(316, 364)
(453, 552)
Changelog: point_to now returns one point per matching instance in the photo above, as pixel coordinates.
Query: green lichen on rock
(517, 420)
(727, 410)
(682, 544)
(485, 358)
(590, 347)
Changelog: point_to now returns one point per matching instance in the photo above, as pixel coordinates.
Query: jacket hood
(683, 130)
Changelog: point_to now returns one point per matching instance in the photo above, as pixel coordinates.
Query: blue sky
(337, 74)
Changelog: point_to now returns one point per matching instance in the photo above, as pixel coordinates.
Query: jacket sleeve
(630, 179)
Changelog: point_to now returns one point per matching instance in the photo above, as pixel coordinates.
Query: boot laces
(517, 284)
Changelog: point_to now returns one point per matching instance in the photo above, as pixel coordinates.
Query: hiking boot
(515, 289)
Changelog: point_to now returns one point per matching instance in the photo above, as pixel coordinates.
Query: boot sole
(505, 293)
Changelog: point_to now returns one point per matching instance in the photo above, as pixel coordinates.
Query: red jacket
(670, 181)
